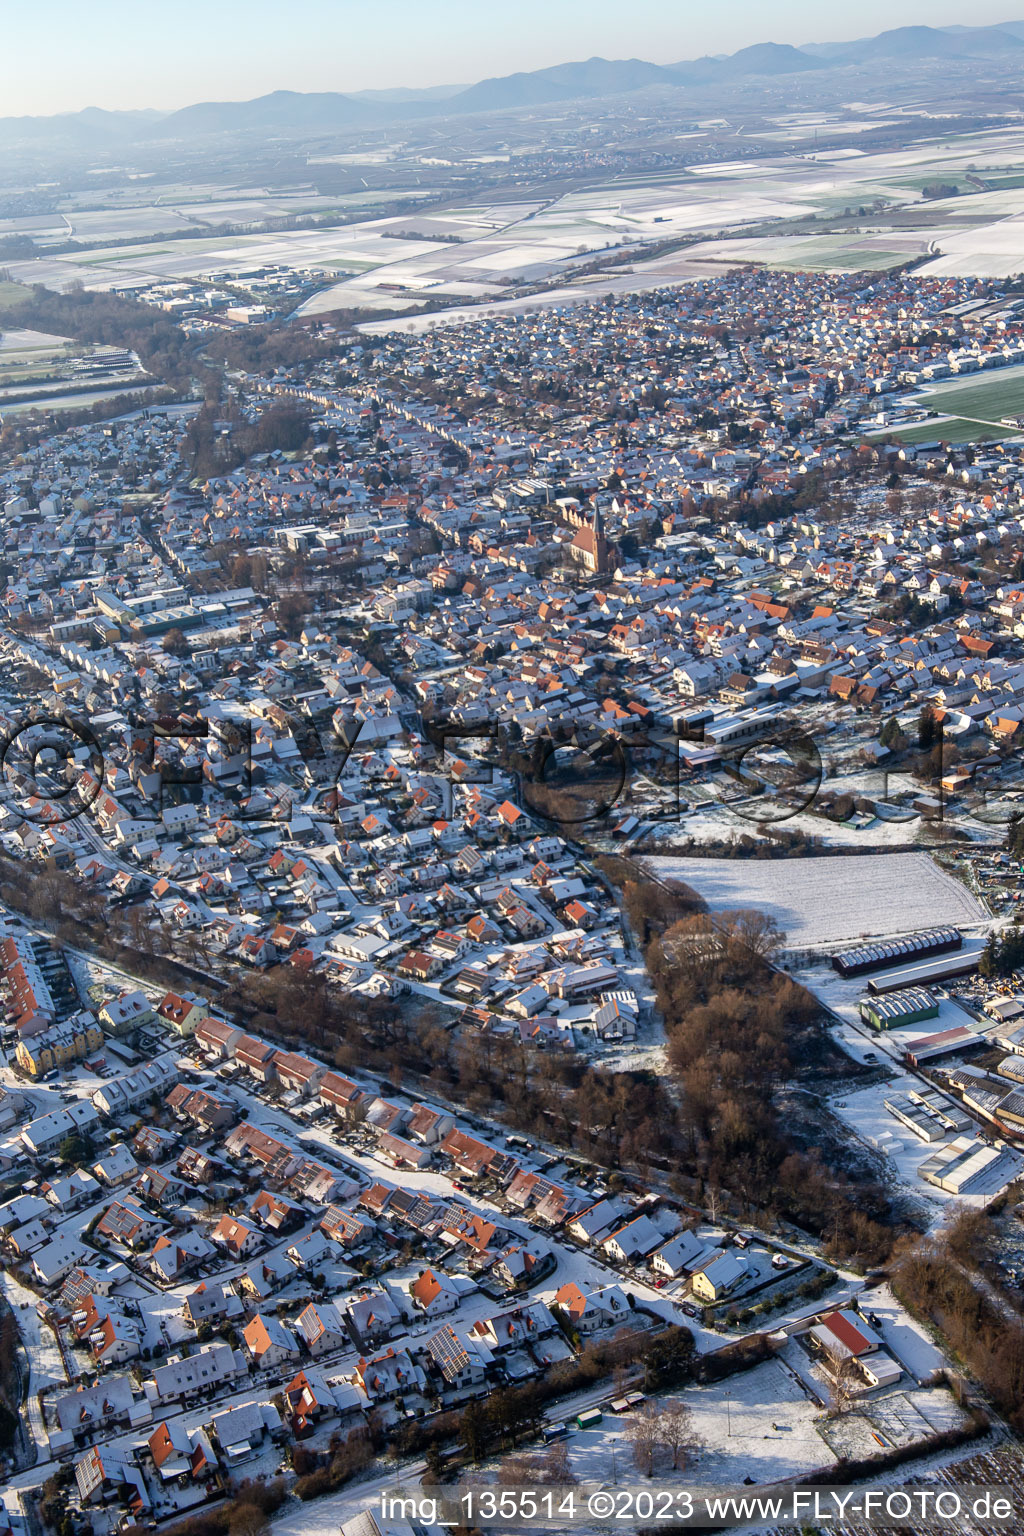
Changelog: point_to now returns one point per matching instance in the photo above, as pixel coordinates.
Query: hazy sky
(66, 54)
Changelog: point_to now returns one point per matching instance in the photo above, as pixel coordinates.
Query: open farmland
(970, 409)
(12, 293)
(23, 347)
(987, 397)
(832, 900)
(946, 429)
(781, 210)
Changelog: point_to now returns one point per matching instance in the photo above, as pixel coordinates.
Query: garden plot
(832, 900)
(892, 1419)
(855, 1436)
(758, 1424)
(162, 1320)
(45, 1363)
(909, 1343)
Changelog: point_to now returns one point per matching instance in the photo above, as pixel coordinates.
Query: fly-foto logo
(55, 767)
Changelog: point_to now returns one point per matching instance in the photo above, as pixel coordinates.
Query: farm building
(927, 1113)
(913, 946)
(880, 1370)
(944, 1043)
(1011, 1112)
(969, 1166)
(927, 972)
(912, 1006)
(1004, 1009)
(844, 1336)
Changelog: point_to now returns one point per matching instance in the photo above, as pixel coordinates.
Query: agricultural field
(76, 399)
(971, 409)
(777, 210)
(676, 267)
(31, 357)
(945, 429)
(24, 346)
(34, 371)
(12, 293)
(832, 899)
(131, 213)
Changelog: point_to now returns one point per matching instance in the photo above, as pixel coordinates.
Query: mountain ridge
(285, 112)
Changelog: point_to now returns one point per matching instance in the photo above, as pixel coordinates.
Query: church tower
(589, 548)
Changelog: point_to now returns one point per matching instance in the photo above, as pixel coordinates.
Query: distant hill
(993, 41)
(758, 59)
(1015, 28)
(93, 125)
(907, 44)
(563, 82)
(768, 59)
(292, 114)
(409, 93)
(281, 111)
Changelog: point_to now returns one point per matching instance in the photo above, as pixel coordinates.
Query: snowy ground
(760, 1423)
(45, 1361)
(904, 1152)
(905, 1339)
(832, 900)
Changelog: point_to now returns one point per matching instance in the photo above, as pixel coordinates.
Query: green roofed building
(911, 1006)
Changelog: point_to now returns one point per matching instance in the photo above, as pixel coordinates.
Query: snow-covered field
(832, 900)
(760, 1424)
(29, 346)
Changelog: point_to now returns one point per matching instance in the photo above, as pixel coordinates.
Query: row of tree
(102, 318)
(740, 1032)
(941, 1280)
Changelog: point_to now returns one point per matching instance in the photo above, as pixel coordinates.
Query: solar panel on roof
(868, 956)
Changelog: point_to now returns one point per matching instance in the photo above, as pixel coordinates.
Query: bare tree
(556, 1466)
(644, 1436)
(843, 1387)
(248, 1520)
(552, 1467)
(678, 1436)
(517, 1470)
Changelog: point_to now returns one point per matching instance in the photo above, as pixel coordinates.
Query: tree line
(107, 320)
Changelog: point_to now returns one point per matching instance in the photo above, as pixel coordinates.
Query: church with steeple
(589, 549)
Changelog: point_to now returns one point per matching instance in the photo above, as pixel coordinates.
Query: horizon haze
(102, 57)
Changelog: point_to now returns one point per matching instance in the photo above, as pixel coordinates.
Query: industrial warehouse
(874, 957)
(913, 1006)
